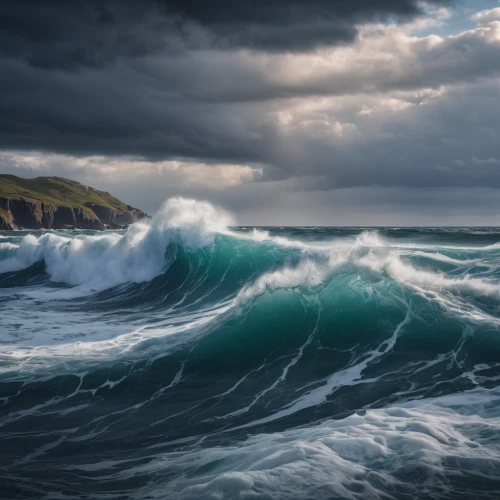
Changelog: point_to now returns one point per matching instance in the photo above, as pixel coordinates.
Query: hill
(58, 203)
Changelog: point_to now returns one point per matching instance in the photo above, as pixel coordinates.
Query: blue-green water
(189, 359)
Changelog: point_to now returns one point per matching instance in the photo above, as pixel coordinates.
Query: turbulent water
(190, 359)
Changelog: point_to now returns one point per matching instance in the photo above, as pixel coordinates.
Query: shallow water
(191, 359)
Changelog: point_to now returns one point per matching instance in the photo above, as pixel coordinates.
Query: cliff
(57, 203)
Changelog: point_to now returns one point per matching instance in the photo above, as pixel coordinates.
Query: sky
(283, 112)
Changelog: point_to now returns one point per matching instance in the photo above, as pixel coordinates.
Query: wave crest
(106, 260)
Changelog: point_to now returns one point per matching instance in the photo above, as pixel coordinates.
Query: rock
(7, 222)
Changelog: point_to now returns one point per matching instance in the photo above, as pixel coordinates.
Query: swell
(147, 256)
(355, 350)
(187, 269)
(336, 312)
(186, 359)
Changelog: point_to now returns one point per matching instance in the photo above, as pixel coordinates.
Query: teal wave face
(250, 362)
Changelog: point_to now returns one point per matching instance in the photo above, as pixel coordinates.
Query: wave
(188, 256)
(188, 358)
(371, 454)
(104, 261)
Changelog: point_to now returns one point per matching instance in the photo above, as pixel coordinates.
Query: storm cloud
(66, 35)
(286, 95)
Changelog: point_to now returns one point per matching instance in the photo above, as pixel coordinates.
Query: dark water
(186, 360)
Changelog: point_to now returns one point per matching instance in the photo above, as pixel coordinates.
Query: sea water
(187, 358)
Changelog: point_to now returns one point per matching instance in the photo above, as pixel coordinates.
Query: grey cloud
(210, 104)
(369, 206)
(416, 147)
(486, 161)
(68, 35)
(396, 65)
(113, 112)
(155, 94)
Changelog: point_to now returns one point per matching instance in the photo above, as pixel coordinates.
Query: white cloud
(183, 174)
(486, 161)
(487, 16)
(384, 59)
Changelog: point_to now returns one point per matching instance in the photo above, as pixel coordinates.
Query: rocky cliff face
(113, 218)
(27, 214)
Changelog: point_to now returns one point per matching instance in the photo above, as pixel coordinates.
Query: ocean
(187, 358)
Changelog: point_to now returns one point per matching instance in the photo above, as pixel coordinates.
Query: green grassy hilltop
(56, 194)
(56, 191)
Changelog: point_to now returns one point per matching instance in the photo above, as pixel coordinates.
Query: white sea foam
(106, 260)
(393, 266)
(44, 348)
(306, 274)
(366, 252)
(317, 265)
(7, 246)
(373, 454)
(109, 259)
(439, 257)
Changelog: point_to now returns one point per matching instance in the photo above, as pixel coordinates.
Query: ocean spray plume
(105, 260)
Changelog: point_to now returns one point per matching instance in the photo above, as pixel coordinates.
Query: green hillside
(58, 203)
(56, 191)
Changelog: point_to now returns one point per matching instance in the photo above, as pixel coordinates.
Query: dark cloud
(226, 106)
(174, 80)
(114, 112)
(68, 35)
(288, 24)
